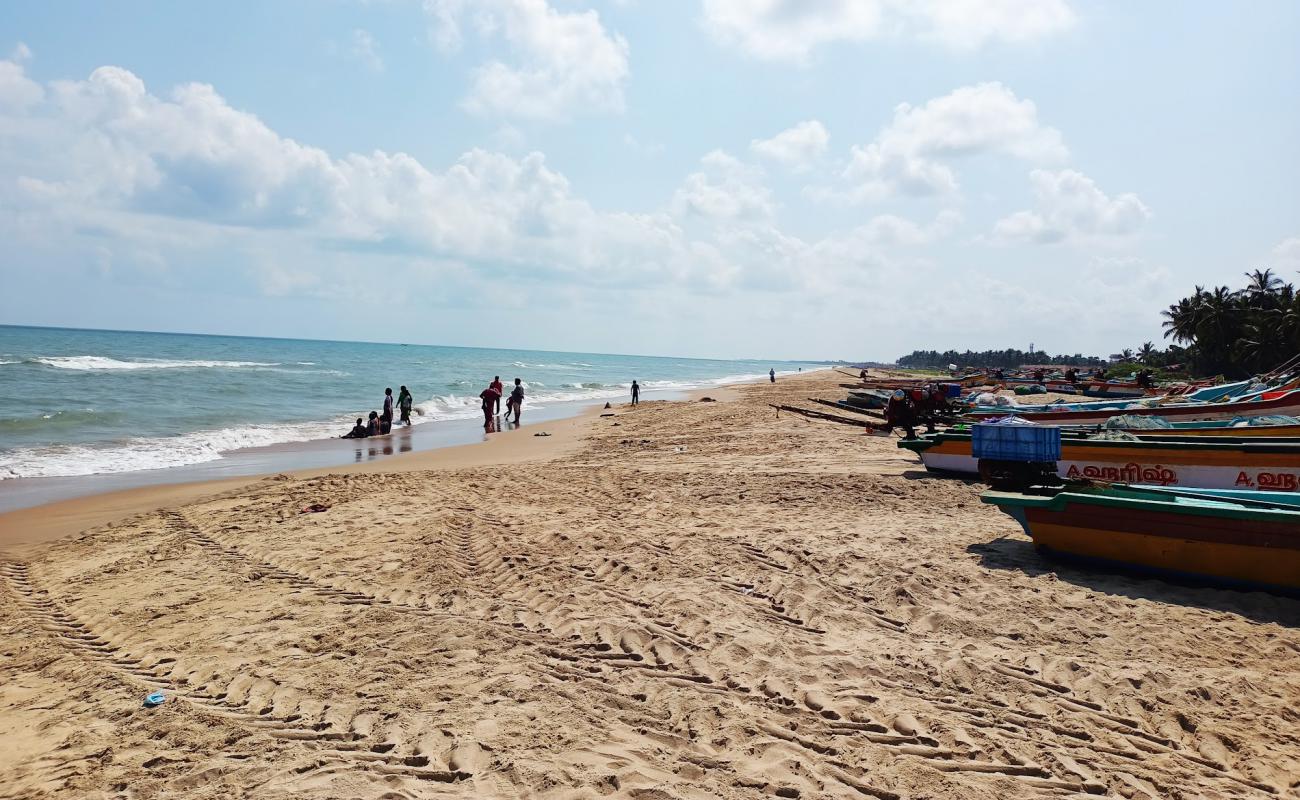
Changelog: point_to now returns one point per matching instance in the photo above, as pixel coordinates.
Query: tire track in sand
(335, 732)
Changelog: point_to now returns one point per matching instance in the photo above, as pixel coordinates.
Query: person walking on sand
(636, 393)
(771, 373)
(404, 403)
(516, 400)
(500, 390)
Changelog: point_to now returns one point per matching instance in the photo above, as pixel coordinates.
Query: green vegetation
(992, 359)
(1235, 333)
(1217, 331)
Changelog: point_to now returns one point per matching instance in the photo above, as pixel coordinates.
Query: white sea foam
(87, 363)
(203, 446)
(6, 361)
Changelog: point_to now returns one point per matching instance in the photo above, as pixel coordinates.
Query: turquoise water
(77, 402)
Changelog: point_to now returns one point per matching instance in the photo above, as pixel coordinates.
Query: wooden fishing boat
(1279, 402)
(1237, 538)
(1217, 428)
(1216, 463)
(1103, 391)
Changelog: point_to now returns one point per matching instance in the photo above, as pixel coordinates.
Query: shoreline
(17, 493)
(58, 517)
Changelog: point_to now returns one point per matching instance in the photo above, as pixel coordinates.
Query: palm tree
(1146, 352)
(1262, 282)
(1127, 354)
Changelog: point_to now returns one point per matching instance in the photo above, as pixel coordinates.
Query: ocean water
(79, 402)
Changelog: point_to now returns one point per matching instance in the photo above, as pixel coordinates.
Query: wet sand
(683, 600)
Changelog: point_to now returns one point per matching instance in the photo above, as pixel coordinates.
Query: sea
(91, 402)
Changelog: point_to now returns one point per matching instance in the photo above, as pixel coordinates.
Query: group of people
(491, 398)
(381, 423)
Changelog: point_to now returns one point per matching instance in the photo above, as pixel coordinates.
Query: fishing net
(1142, 421)
(1263, 420)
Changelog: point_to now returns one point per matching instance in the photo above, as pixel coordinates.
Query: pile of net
(1143, 421)
(1263, 420)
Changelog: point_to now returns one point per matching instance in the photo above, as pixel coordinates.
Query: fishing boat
(1218, 428)
(1216, 463)
(1270, 402)
(867, 398)
(1249, 539)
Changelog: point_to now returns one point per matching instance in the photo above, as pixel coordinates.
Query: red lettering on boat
(1282, 481)
(1129, 473)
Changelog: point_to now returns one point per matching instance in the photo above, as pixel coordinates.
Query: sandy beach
(682, 600)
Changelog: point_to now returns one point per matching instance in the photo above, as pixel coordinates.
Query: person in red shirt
(500, 390)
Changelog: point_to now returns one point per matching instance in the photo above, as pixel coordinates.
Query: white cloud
(16, 89)
(798, 147)
(965, 24)
(1286, 255)
(889, 229)
(106, 150)
(985, 118)
(649, 149)
(1070, 208)
(567, 62)
(365, 50)
(726, 189)
(790, 30)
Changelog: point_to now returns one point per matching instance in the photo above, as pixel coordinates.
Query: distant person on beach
(404, 403)
(374, 427)
(516, 400)
(771, 373)
(636, 392)
(387, 416)
(358, 431)
(500, 390)
(491, 401)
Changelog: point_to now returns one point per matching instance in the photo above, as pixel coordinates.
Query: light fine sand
(685, 600)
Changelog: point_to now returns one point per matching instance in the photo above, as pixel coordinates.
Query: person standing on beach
(516, 400)
(404, 403)
(386, 418)
(491, 401)
(636, 393)
(500, 390)
(771, 373)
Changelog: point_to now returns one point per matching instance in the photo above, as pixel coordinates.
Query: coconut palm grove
(1214, 331)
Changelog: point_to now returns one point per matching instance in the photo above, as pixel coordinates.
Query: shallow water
(78, 402)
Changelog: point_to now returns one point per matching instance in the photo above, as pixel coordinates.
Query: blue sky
(750, 178)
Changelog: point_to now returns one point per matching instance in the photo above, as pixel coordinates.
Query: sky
(803, 179)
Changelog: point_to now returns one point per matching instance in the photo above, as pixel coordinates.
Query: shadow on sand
(1014, 553)
(923, 474)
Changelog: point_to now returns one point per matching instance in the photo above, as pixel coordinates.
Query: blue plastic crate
(1016, 442)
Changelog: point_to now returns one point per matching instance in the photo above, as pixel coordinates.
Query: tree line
(992, 359)
(1234, 333)
(1217, 331)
